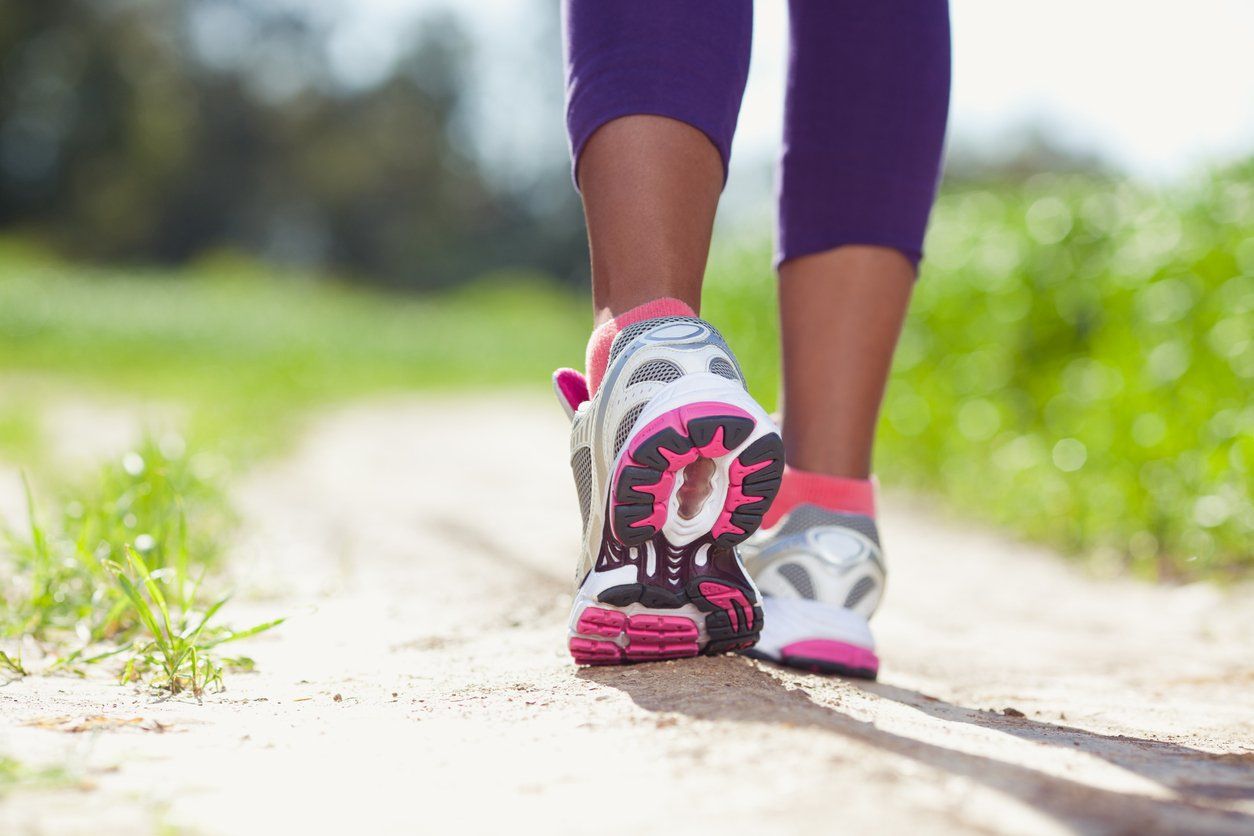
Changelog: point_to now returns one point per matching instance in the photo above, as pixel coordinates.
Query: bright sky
(1155, 87)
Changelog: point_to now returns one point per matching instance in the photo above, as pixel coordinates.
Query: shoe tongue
(571, 388)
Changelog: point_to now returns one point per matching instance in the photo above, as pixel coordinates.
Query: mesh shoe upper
(645, 358)
(821, 555)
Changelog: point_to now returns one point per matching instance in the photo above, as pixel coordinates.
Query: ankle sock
(598, 356)
(835, 493)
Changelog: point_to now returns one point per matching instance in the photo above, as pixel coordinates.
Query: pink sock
(603, 337)
(835, 493)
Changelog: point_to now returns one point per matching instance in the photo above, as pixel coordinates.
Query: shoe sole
(812, 636)
(607, 634)
(645, 478)
(649, 599)
(826, 656)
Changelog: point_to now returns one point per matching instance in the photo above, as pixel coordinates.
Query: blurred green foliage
(56, 578)
(248, 348)
(1078, 365)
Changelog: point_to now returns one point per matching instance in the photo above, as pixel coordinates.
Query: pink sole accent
(661, 627)
(677, 419)
(669, 650)
(726, 597)
(599, 622)
(737, 473)
(649, 637)
(593, 652)
(830, 651)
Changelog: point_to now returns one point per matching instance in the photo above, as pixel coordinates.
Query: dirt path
(422, 683)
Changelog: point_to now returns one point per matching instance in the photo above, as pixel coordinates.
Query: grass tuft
(124, 576)
(179, 646)
(12, 664)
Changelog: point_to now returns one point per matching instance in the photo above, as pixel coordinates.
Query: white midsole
(789, 620)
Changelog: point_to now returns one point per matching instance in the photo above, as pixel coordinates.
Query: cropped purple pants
(864, 119)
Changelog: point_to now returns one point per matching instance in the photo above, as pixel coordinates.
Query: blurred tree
(156, 129)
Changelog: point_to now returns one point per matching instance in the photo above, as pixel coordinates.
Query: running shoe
(822, 576)
(674, 465)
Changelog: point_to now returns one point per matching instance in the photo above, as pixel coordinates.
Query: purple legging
(864, 120)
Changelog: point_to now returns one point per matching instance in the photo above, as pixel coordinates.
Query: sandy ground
(423, 551)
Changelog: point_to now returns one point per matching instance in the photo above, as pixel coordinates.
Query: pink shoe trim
(726, 598)
(736, 496)
(669, 627)
(594, 652)
(598, 622)
(661, 637)
(671, 650)
(677, 419)
(572, 386)
(598, 352)
(835, 493)
(649, 637)
(833, 652)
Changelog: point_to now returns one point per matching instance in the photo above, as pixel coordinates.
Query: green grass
(247, 348)
(128, 572)
(124, 575)
(15, 775)
(1078, 366)
(179, 641)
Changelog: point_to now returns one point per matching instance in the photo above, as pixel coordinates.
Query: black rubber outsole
(736, 629)
(723, 635)
(631, 505)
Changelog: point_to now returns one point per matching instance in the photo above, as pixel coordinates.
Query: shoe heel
(655, 455)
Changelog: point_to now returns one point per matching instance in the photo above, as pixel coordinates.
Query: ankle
(832, 443)
(834, 493)
(598, 352)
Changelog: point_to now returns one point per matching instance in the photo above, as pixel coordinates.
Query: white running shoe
(822, 576)
(674, 465)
